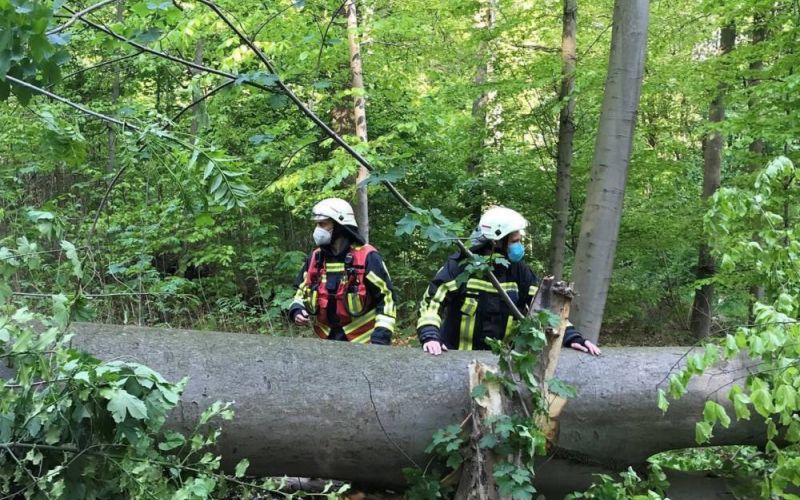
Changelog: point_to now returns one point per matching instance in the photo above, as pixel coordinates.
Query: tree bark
(566, 131)
(484, 20)
(199, 117)
(756, 148)
(602, 212)
(313, 408)
(702, 310)
(111, 164)
(359, 115)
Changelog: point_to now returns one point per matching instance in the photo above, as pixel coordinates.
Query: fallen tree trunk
(333, 410)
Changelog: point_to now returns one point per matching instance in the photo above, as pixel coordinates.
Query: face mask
(516, 252)
(322, 237)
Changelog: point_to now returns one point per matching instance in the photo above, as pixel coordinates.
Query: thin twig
(78, 15)
(203, 98)
(100, 65)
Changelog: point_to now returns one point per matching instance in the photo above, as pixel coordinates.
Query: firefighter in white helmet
(462, 316)
(344, 283)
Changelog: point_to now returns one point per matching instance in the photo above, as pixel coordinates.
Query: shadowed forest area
(159, 162)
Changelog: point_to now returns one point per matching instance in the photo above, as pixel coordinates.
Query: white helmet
(334, 208)
(498, 222)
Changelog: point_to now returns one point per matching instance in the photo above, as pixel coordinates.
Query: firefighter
(462, 316)
(344, 284)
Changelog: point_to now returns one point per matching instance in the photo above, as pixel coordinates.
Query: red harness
(353, 304)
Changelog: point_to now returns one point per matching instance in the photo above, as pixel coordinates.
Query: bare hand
(301, 318)
(587, 347)
(434, 347)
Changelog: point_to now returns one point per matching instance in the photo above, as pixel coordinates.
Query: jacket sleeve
(439, 293)
(302, 292)
(379, 286)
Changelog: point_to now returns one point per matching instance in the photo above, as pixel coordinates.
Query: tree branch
(79, 15)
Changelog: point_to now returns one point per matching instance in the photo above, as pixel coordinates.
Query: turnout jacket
(464, 316)
(330, 274)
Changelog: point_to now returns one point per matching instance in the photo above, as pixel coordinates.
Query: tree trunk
(757, 291)
(566, 130)
(484, 20)
(700, 322)
(111, 164)
(199, 117)
(602, 212)
(313, 408)
(359, 115)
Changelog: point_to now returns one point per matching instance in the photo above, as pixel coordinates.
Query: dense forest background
(156, 169)
(462, 112)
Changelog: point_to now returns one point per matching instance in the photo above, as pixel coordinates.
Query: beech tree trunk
(359, 115)
(602, 212)
(314, 408)
(702, 310)
(566, 131)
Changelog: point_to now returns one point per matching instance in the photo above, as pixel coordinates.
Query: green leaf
(561, 388)
(241, 467)
(663, 403)
(702, 433)
(172, 440)
(122, 403)
(479, 391)
(488, 441)
(72, 255)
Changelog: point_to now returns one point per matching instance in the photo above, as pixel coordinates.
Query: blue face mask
(516, 252)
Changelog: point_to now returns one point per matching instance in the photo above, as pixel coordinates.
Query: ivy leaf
(663, 403)
(122, 402)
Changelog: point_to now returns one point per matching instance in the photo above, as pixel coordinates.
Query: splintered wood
(477, 479)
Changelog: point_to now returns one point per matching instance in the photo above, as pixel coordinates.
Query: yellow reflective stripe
(363, 320)
(486, 286)
(334, 267)
(430, 311)
(323, 327)
(429, 319)
(467, 324)
(353, 303)
(532, 290)
(384, 321)
(364, 338)
(388, 302)
(386, 270)
(302, 291)
(509, 325)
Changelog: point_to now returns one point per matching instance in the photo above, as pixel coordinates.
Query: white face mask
(322, 236)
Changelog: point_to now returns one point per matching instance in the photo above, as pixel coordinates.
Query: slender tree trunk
(602, 212)
(359, 115)
(483, 20)
(566, 131)
(757, 291)
(700, 322)
(199, 117)
(111, 164)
